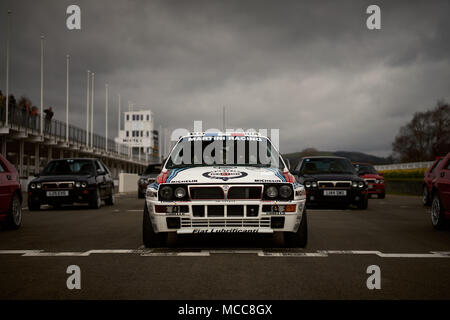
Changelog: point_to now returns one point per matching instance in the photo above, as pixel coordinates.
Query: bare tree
(426, 136)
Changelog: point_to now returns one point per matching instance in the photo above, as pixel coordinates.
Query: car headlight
(38, 185)
(271, 192)
(166, 193)
(308, 184)
(77, 184)
(361, 184)
(180, 192)
(381, 181)
(355, 184)
(314, 184)
(32, 186)
(149, 193)
(300, 192)
(285, 191)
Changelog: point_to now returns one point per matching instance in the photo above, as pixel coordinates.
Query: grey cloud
(309, 68)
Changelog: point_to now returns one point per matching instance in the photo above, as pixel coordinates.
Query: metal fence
(54, 129)
(403, 166)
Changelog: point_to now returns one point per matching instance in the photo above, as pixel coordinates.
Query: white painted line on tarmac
(206, 253)
(135, 210)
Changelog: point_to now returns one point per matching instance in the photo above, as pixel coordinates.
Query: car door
(108, 178)
(100, 177)
(443, 183)
(5, 186)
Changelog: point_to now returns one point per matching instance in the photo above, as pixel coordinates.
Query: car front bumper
(79, 195)
(376, 188)
(317, 196)
(239, 217)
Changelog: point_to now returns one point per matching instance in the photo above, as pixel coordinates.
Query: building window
(147, 133)
(142, 133)
(148, 117)
(142, 117)
(128, 117)
(127, 133)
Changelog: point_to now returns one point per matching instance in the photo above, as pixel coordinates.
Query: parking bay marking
(206, 253)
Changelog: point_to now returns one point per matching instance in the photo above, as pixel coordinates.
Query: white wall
(128, 182)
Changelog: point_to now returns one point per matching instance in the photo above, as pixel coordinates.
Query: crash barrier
(400, 166)
(128, 182)
(412, 187)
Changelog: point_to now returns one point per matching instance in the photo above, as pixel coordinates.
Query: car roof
(230, 134)
(363, 163)
(92, 159)
(324, 157)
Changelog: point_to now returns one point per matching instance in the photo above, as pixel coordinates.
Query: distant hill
(295, 157)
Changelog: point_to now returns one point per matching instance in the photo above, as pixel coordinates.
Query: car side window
(105, 168)
(447, 167)
(435, 165)
(297, 168)
(2, 168)
(97, 166)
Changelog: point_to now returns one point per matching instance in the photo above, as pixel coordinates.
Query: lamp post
(92, 109)
(42, 85)
(7, 68)
(67, 97)
(118, 125)
(106, 117)
(87, 109)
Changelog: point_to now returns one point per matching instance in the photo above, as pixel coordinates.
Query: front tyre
(15, 213)
(150, 238)
(111, 200)
(437, 213)
(96, 201)
(34, 206)
(298, 239)
(363, 204)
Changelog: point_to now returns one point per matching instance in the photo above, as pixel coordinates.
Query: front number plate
(334, 192)
(62, 193)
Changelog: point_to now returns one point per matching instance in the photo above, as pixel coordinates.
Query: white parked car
(231, 183)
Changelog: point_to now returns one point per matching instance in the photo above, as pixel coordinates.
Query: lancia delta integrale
(331, 180)
(232, 183)
(69, 181)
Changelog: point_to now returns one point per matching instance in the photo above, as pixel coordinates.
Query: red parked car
(440, 194)
(428, 177)
(375, 181)
(10, 195)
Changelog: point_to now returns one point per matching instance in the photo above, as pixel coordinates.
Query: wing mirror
(100, 172)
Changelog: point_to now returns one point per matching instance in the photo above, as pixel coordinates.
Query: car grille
(58, 185)
(370, 180)
(334, 184)
(206, 193)
(222, 211)
(206, 223)
(245, 193)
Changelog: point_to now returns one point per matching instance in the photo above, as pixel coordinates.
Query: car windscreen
(326, 166)
(365, 169)
(69, 167)
(224, 151)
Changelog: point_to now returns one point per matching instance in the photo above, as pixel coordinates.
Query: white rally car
(231, 183)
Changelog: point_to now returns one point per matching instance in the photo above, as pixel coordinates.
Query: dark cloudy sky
(310, 68)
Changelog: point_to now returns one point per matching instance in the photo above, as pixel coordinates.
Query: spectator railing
(403, 166)
(55, 129)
